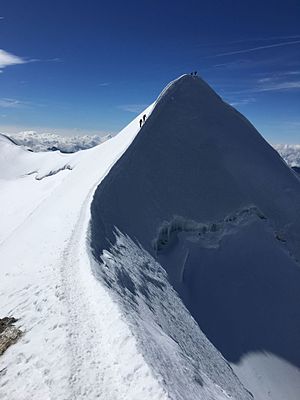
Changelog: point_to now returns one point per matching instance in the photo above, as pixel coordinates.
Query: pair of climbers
(142, 120)
(194, 73)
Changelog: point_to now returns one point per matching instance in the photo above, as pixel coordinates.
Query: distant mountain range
(290, 152)
(70, 144)
(49, 141)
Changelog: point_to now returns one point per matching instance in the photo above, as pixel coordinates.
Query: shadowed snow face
(199, 159)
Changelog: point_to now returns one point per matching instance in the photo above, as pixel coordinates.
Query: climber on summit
(144, 118)
(141, 123)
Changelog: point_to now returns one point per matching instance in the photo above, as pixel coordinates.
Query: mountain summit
(217, 208)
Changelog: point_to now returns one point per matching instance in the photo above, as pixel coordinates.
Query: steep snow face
(198, 158)
(203, 193)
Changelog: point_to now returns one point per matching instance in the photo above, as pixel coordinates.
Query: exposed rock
(9, 334)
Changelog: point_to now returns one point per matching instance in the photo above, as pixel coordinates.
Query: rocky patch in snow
(52, 172)
(9, 334)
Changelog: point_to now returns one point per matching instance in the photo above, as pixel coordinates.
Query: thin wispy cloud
(250, 63)
(252, 40)
(277, 76)
(264, 80)
(279, 86)
(258, 48)
(103, 84)
(243, 102)
(56, 59)
(12, 103)
(278, 81)
(133, 108)
(291, 73)
(265, 39)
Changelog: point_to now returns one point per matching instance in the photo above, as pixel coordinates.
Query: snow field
(75, 343)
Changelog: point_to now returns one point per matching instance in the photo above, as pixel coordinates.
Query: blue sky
(89, 66)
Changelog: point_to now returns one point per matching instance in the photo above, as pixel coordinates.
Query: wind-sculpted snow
(50, 141)
(290, 153)
(199, 160)
(246, 263)
(182, 358)
(211, 232)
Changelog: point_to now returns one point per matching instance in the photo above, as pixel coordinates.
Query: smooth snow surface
(216, 206)
(270, 377)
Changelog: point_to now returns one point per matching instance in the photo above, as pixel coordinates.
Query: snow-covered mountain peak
(187, 84)
(206, 196)
(194, 150)
(151, 262)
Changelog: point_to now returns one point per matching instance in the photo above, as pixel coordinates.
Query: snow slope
(22, 183)
(113, 257)
(76, 344)
(215, 205)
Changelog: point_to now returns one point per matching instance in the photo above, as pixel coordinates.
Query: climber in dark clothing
(144, 118)
(195, 73)
(141, 123)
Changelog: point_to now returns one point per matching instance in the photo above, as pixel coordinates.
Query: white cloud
(7, 59)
